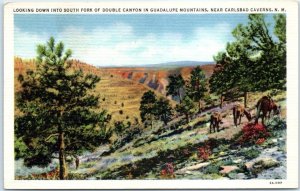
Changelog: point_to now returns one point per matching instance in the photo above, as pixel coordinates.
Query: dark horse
(215, 120)
(266, 105)
(238, 112)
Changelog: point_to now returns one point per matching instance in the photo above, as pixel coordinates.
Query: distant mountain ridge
(180, 64)
(176, 64)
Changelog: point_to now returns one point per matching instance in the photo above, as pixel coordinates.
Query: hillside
(189, 151)
(156, 77)
(175, 150)
(119, 96)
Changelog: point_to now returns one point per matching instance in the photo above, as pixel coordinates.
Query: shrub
(204, 152)
(276, 123)
(253, 133)
(208, 100)
(250, 153)
(211, 169)
(167, 171)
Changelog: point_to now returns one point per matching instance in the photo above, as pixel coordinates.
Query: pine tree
(163, 110)
(147, 107)
(175, 87)
(255, 61)
(187, 107)
(58, 113)
(197, 85)
(221, 80)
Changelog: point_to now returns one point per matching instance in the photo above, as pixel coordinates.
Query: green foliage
(152, 108)
(197, 87)
(250, 153)
(280, 27)
(119, 127)
(212, 169)
(276, 123)
(255, 61)
(54, 101)
(208, 99)
(187, 107)
(147, 106)
(20, 148)
(176, 84)
(164, 110)
(129, 133)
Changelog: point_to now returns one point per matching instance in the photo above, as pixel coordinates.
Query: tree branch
(55, 134)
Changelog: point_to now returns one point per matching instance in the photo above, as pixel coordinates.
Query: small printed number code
(275, 182)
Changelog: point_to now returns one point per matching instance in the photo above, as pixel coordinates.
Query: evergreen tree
(58, 116)
(197, 85)
(152, 108)
(175, 87)
(120, 127)
(221, 81)
(148, 107)
(163, 110)
(187, 107)
(255, 61)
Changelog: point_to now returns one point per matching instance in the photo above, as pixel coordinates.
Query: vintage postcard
(181, 95)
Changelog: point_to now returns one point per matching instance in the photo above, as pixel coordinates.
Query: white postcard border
(292, 102)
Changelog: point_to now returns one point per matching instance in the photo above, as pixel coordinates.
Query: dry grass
(119, 96)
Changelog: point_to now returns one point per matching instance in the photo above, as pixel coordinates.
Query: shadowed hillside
(156, 78)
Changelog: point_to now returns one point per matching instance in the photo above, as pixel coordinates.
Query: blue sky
(132, 39)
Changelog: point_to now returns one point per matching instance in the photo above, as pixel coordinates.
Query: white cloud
(25, 43)
(119, 45)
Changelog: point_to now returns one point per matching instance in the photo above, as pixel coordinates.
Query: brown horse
(266, 105)
(239, 112)
(215, 120)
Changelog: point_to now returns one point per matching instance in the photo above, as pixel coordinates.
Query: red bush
(253, 134)
(204, 152)
(167, 171)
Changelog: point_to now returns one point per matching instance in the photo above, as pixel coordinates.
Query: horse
(215, 120)
(239, 112)
(266, 105)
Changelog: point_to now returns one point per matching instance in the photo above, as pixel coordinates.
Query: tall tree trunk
(62, 157)
(199, 105)
(245, 99)
(187, 117)
(221, 101)
(179, 95)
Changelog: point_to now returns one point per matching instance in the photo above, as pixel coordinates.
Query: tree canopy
(175, 87)
(152, 108)
(255, 60)
(187, 107)
(147, 105)
(197, 85)
(58, 117)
